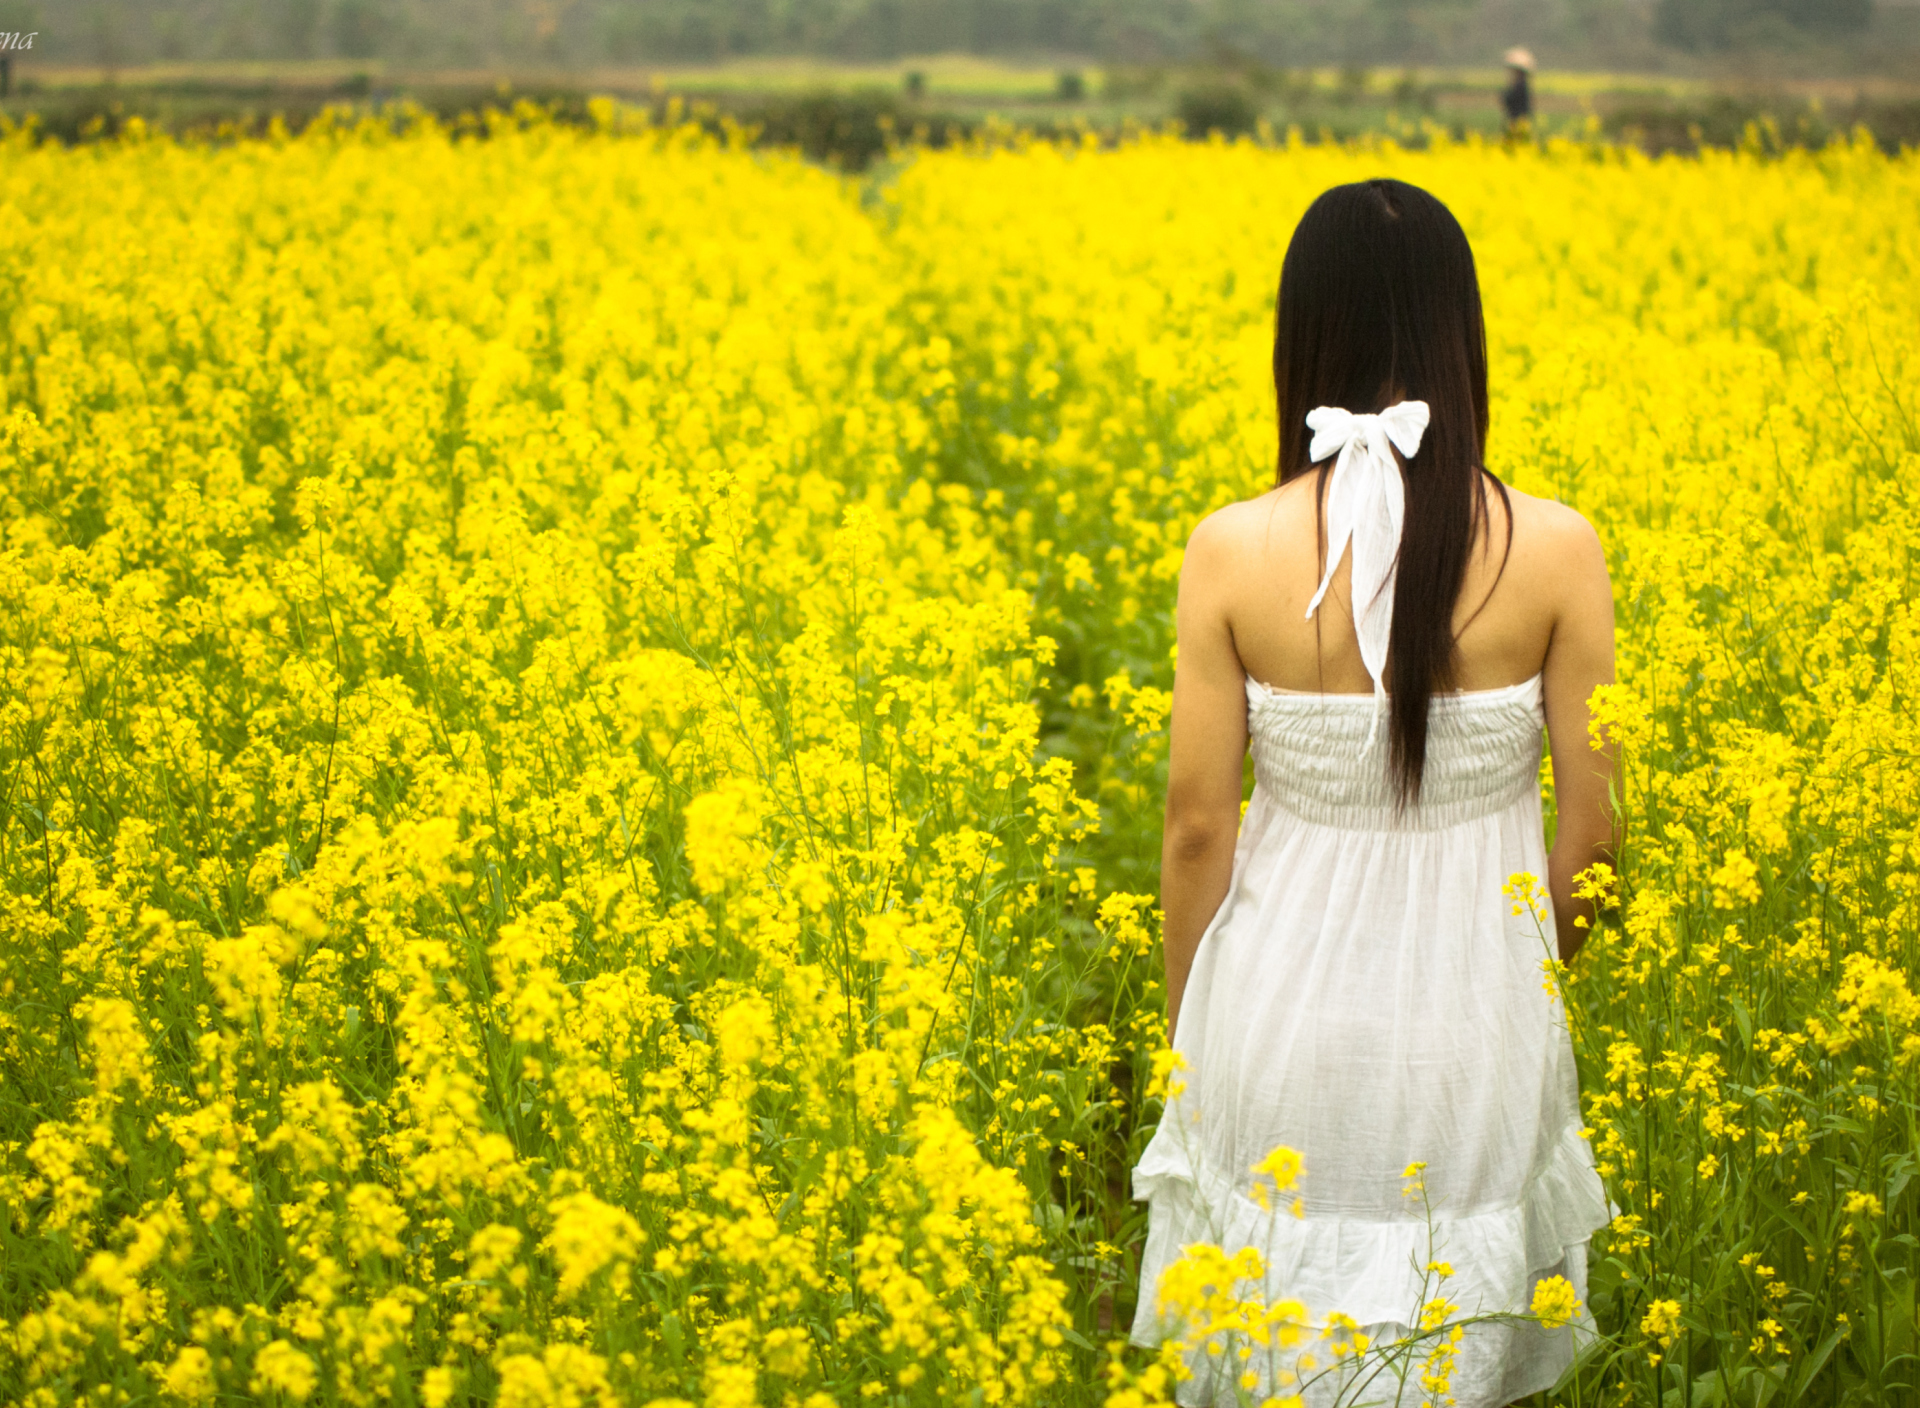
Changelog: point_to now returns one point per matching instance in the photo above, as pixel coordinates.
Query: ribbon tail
(1340, 523)
(1333, 565)
(1373, 726)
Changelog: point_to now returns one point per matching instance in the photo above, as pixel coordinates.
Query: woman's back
(1264, 558)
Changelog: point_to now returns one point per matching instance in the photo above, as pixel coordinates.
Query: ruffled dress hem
(1372, 1271)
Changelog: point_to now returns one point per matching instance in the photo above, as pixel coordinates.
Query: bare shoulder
(1242, 531)
(1549, 533)
(1559, 563)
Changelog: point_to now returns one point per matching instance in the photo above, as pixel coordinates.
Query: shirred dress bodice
(1311, 753)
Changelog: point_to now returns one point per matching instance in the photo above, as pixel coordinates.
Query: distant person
(1517, 96)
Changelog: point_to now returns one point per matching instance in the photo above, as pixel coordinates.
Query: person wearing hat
(1517, 97)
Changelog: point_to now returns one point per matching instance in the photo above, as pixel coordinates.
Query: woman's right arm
(1579, 661)
(1208, 746)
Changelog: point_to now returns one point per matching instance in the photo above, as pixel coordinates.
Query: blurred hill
(1832, 37)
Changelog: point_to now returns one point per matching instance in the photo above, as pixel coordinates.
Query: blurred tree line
(580, 33)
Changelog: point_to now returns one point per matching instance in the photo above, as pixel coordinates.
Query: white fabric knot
(1366, 506)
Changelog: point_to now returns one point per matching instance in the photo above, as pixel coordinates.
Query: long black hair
(1379, 303)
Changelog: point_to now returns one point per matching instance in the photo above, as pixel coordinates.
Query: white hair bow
(1366, 505)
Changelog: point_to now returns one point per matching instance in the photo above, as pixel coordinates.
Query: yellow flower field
(582, 724)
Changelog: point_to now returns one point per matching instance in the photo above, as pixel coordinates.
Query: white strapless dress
(1366, 996)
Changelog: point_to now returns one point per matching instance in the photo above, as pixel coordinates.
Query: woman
(1388, 628)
